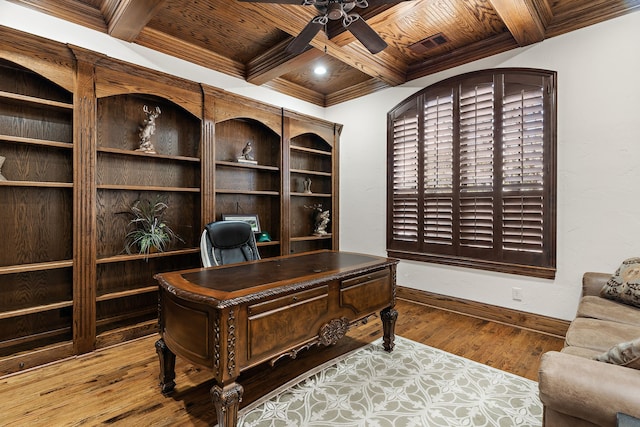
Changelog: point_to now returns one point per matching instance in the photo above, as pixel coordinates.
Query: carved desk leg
(227, 402)
(167, 367)
(389, 316)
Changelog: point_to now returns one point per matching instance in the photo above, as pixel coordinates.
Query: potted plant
(148, 230)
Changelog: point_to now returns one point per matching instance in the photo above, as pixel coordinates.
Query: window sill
(522, 270)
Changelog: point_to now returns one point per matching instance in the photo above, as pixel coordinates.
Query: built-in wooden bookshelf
(312, 147)
(69, 129)
(36, 203)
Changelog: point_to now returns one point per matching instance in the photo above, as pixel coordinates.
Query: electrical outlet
(516, 294)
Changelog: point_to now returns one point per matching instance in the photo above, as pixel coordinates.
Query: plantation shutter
(524, 186)
(476, 168)
(438, 168)
(471, 173)
(404, 179)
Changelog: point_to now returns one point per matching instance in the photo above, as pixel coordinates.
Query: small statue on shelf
(147, 129)
(2, 159)
(320, 220)
(307, 185)
(247, 154)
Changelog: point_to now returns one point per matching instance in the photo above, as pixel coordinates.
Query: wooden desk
(234, 317)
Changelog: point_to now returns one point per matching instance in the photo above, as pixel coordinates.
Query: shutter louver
(476, 166)
(523, 168)
(476, 138)
(476, 222)
(522, 223)
(405, 178)
(438, 169)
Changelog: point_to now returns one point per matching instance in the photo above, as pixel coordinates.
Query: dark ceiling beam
(382, 66)
(69, 10)
(131, 16)
(275, 62)
(524, 22)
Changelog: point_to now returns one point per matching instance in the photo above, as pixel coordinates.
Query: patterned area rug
(415, 385)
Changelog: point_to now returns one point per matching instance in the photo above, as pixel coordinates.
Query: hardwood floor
(119, 385)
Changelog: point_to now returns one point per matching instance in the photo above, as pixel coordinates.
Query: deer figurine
(147, 129)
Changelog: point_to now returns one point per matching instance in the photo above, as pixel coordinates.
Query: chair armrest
(588, 389)
(592, 283)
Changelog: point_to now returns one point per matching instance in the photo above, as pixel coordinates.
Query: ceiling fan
(334, 10)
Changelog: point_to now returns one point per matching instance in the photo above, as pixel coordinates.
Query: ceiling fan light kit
(334, 10)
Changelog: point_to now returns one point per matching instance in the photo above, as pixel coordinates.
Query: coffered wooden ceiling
(248, 40)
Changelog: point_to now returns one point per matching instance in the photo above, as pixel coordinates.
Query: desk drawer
(367, 293)
(285, 322)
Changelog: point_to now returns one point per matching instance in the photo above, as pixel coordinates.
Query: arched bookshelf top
(232, 136)
(32, 86)
(312, 143)
(53, 61)
(120, 117)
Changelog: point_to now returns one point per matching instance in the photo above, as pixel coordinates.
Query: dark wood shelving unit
(36, 204)
(69, 129)
(125, 288)
(313, 150)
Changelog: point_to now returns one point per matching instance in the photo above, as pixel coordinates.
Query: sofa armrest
(587, 389)
(592, 283)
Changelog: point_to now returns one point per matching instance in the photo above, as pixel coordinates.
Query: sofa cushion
(586, 353)
(624, 285)
(599, 334)
(624, 354)
(605, 309)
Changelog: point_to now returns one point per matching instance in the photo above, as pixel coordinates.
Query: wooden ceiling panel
(221, 26)
(326, 84)
(249, 40)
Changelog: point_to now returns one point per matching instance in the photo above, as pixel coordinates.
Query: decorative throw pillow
(624, 354)
(624, 286)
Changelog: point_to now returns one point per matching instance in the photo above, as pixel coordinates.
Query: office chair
(227, 242)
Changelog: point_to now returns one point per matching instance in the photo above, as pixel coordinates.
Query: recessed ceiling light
(320, 70)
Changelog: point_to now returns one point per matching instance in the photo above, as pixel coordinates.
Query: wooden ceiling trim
(131, 16)
(482, 49)
(522, 20)
(275, 62)
(108, 9)
(69, 10)
(178, 48)
(355, 91)
(288, 88)
(563, 23)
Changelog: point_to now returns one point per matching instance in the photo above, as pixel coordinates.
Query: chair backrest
(227, 242)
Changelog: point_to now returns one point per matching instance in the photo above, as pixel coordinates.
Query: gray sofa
(577, 390)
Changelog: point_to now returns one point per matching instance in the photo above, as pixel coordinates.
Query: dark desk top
(237, 280)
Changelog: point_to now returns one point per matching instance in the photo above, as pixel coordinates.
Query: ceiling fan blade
(299, 44)
(367, 35)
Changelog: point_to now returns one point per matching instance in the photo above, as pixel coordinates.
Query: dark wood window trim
(471, 177)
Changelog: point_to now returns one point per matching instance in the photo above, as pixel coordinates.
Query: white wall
(598, 169)
(598, 153)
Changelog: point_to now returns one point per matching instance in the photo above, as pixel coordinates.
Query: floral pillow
(624, 285)
(624, 354)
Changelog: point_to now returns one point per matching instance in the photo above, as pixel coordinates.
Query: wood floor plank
(119, 385)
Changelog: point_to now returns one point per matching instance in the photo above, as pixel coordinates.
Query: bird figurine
(246, 151)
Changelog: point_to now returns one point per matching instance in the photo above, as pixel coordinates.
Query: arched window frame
(471, 177)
